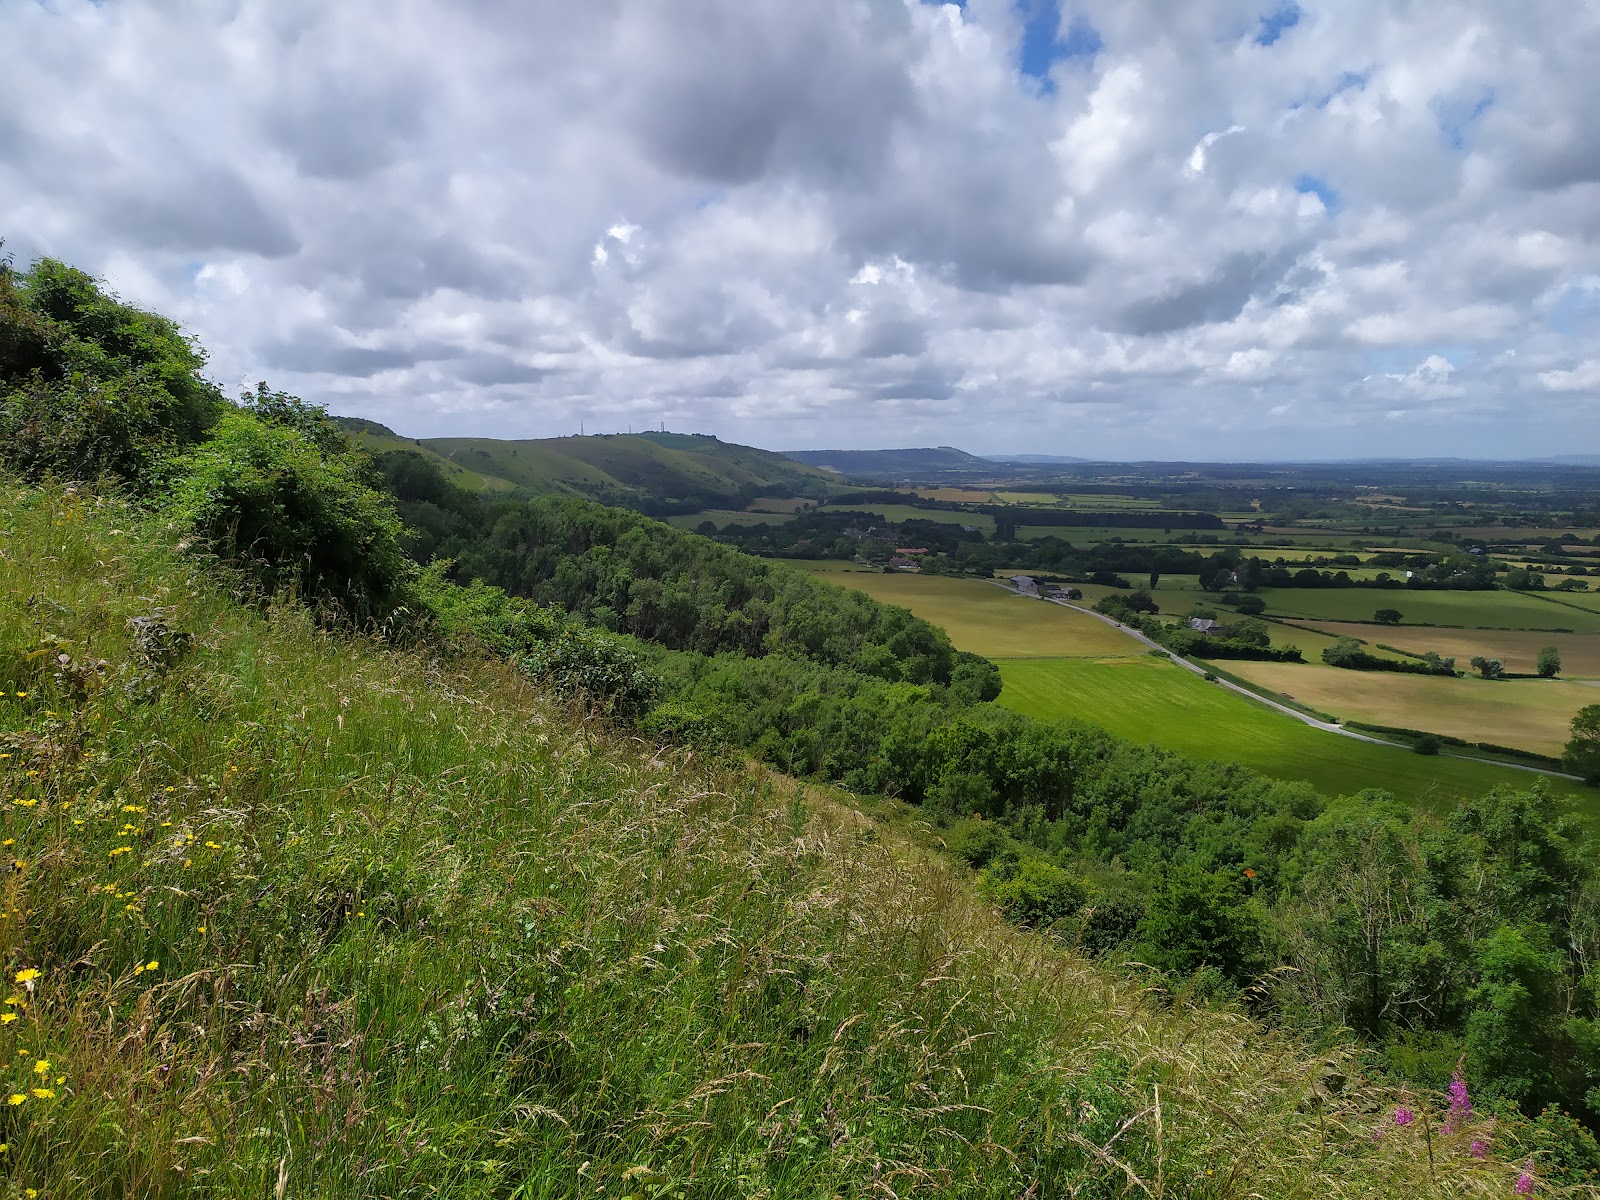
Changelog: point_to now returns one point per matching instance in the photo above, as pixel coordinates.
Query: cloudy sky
(1207, 229)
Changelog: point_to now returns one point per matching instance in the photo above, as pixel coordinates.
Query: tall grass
(314, 916)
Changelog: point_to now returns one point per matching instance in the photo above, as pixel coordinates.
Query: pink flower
(1525, 1180)
(1403, 1116)
(1478, 1149)
(1460, 1104)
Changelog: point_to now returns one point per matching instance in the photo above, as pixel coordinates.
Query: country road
(1306, 718)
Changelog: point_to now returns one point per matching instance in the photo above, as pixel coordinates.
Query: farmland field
(988, 620)
(1530, 714)
(1149, 700)
(1474, 610)
(1517, 649)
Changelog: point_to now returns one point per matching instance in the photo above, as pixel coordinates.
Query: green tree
(1199, 918)
(1549, 664)
(1387, 616)
(1489, 668)
(1582, 755)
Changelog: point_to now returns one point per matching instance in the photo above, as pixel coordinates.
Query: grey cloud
(727, 92)
(210, 209)
(1221, 296)
(336, 131)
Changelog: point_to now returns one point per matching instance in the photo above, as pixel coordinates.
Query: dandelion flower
(42, 1067)
(45, 1093)
(15, 1099)
(152, 966)
(27, 974)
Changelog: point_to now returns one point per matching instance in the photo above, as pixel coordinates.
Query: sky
(1215, 229)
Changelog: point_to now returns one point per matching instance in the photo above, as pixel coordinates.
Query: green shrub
(1426, 744)
(1038, 893)
(585, 664)
(267, 498)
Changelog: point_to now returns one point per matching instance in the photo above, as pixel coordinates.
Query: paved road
(1306, 718)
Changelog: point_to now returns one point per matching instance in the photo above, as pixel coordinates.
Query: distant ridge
(909, 464)
(1037, 458)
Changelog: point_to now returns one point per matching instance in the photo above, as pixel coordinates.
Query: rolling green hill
(653, 471)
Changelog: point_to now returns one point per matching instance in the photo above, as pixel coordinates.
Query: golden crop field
(988, 620)
(1529, 714)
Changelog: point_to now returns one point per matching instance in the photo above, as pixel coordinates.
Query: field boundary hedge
(1529, 756)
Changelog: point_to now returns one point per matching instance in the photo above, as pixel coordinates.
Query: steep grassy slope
(291, 914)
(665, 467)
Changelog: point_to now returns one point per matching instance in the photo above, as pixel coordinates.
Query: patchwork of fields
(1058, 663)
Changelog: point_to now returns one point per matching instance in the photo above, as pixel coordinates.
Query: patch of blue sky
(1576, 310)
(1456, 118)
(1315, 186)
(1045, 43)
(1276, 23)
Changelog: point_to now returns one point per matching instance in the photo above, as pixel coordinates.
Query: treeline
(1347, 653)
(1464, 939)
(1245, 637)
(628, 574)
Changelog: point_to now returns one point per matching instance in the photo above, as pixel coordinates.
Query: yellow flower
(45, 1093)
(7, 1018)
(9, 842)
(152, 966)
(15, 1099)
(133, 808)
(201, 928)
(23, 803)
(27, 974)
(120, 850)
(42, 1067)
(22, 695)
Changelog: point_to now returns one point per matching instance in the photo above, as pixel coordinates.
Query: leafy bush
(266, 497)
(1426, 744)
(1038, 892)
(585, 664)
(90, 386)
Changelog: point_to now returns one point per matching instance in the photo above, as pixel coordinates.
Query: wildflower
(120, 850)
(1525, 1180)
(1403, 1116)
(1479, 1148)
(9, 842)
(27, 974)
(1460, 1104)
(45, 1093)
(7, 1018)
(15, 1099)
(42, 1067)
(152, 966)
(201, 928)
(24, 803)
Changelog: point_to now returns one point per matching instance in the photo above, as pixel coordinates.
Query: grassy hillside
(668, 468)
(295, 915)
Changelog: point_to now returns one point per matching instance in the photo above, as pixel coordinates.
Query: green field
(1150, 700)
(1476, 610)
(989, 620)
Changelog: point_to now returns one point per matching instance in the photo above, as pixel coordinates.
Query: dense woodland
(1464, 940)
